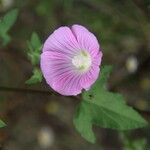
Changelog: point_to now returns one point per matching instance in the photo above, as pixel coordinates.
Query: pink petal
(86, 39)
(59, 74)
(67, 84)
(63, 41)
(97, 59)
(91, 76)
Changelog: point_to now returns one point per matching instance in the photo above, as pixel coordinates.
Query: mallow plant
(71, 61)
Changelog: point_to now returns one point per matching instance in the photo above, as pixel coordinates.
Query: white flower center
(82, 61)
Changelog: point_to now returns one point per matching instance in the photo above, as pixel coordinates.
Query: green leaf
(34, 46)
(105, 109)
(36, 77)
(34, 57)
(105, 72)
(6, 23)
(8, 20)
(83, 123)
(36, 42)
(2, 124)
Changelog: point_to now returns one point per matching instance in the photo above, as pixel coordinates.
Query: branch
(32, 91)
(24, 90)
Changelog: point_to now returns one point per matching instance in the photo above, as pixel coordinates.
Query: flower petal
(61, 40)
(67, 84)
(86, 39)
(91, 76)
(59, 74)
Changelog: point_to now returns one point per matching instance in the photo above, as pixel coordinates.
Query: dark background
(38, 119)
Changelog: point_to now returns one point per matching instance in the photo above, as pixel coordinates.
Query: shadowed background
(39, 119)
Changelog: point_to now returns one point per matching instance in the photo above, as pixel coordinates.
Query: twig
(24, 90)
(31, 91)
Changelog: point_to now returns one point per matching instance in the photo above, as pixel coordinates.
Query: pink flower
(70, 60)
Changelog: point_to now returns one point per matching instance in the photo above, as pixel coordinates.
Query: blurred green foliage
(36, 77)
(5, 25)
(133, 144)
(34, 46)
(2, 124)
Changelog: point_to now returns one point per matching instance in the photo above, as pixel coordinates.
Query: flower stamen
(82, 61)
